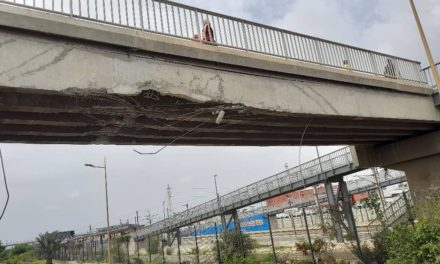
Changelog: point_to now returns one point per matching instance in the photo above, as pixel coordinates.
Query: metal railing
(354, 187)
(428, 75)
(391, 214)
(182, 21)
(246, 195)
(384, 177)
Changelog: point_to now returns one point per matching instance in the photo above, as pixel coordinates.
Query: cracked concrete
(48, 63)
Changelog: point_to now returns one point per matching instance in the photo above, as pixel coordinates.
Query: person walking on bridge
(208, 32)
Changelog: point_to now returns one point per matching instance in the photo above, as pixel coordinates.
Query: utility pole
(426, 45)
(378, 188)
(164, 210)
(223, 219)
(170, 206)
(137, 218)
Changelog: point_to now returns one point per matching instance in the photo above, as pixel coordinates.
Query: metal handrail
(183, 21)
(391, 214)
(353, 187)
(297, 174)
(428, 75)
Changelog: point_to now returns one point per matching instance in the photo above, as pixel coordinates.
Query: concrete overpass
(81, 75)
(70, 80)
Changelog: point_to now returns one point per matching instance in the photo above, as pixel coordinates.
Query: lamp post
(426, 45)
(106, 205)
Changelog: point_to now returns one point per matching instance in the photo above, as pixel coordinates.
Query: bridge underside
(97, 117)
(65, 80)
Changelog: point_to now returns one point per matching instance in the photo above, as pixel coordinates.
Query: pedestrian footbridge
(329, 167)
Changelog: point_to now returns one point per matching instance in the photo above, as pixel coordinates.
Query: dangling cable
(6, 186)
(299, 150)
(170, 143)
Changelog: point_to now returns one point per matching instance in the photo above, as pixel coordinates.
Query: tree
(48, 245)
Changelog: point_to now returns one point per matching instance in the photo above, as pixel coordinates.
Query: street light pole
(426, 45)
(106, 206)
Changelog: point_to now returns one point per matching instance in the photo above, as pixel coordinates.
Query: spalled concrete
(57, 66)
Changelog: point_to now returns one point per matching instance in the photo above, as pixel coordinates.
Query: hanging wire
(299, 150)
(169, 144)
(6, 186)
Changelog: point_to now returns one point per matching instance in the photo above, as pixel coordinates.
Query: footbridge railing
(183, 21)
(337, 163)
(355, 186)
(385, 178)
(393, 213)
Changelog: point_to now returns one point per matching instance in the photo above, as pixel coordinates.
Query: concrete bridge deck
(70, 80)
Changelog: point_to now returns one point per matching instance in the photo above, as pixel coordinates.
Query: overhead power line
(6, 186)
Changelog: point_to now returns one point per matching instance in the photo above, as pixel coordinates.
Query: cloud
(40, 174)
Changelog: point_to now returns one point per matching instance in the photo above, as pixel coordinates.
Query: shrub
(154, 245)
(419, 242)
(234, 245)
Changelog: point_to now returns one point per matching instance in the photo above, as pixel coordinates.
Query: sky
(51, 189)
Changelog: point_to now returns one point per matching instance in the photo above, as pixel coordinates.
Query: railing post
(318, 51)
(71, 8)
(244, 35)
(285, 48)
(141, 15)
(374, 64)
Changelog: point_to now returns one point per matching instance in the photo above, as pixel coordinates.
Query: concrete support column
(346, 206)
(418, 157)
(423, 176)
(333, 209)
(348, 213)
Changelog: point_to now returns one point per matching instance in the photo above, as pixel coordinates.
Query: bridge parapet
(182, 21)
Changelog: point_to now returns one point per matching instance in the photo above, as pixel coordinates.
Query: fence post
(219, 259)
(178, 245)
(197, 246)
(163, 248)
(408, 208)
(292, 219)
(128, 251)
(308, 235)
(102, 248)
(149, 247)
(271, 240)
(137, 247)
(86, 246)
